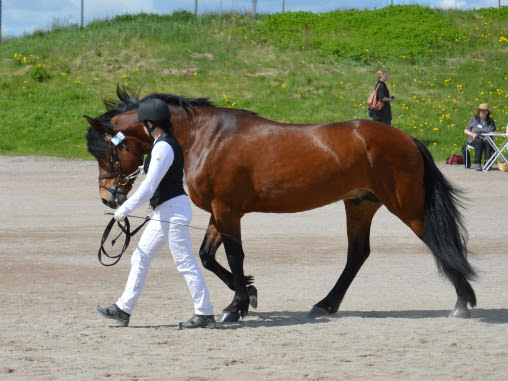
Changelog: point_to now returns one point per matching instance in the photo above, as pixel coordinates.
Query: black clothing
(480, 146)
(382, 120)
(171, 184)
(385, 114)
(477, 125)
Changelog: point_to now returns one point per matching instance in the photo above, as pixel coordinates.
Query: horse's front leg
(209, 247)
(228, 224)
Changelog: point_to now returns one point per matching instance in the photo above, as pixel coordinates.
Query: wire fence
(18, 17)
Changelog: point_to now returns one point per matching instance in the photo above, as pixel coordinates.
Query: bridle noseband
(115, 164)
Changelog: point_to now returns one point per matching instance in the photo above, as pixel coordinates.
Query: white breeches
(177, 237)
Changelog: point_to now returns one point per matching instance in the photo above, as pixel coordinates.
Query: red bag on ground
(455, 160)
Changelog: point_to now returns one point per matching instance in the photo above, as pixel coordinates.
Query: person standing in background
(385, 114)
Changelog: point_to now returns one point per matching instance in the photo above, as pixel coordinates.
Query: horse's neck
(182, 131)
(145, 142)
(185, 128)
(195, 134)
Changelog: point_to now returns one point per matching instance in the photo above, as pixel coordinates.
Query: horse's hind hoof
(460, 313)
(316, 312)
(253, 296)
(227, 317)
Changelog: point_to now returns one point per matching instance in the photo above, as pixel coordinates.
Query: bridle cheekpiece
(115, 142)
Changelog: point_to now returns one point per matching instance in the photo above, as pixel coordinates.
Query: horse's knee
(207, 259)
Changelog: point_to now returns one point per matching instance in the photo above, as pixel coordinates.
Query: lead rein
(176, 223)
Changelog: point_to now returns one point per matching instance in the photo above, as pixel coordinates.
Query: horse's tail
(443, 227)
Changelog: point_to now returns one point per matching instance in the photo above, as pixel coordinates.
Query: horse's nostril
(104, 201)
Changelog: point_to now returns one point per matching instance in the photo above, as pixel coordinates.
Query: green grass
(290, 67)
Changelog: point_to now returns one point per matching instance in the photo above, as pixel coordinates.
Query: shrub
(38, 73)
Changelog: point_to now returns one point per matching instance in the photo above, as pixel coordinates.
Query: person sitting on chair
(478, 124)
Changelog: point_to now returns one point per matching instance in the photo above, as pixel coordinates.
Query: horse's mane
(128, 100)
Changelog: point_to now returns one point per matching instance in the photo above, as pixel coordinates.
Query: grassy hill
(290, 67)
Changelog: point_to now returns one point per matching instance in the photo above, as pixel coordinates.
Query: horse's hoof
(316, 312)
(460, 313)
(227, 317)
(253, 296)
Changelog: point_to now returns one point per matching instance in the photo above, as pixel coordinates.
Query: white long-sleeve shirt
(162, 158)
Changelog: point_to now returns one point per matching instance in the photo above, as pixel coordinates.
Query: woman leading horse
(237, 162)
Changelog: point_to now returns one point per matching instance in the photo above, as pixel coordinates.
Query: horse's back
(264, 166)
(351, 149)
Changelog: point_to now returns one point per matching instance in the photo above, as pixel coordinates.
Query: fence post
(282, 6)
(196, 7)
(0, 20)
(82, 11)
(254, 6)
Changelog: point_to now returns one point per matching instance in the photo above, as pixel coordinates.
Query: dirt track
(392, 323)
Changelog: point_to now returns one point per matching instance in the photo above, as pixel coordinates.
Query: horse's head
(119, 158)
(118, 163)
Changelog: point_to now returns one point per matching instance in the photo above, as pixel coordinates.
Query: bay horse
(237, 162)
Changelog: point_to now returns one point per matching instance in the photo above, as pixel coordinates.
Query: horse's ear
(95, 124)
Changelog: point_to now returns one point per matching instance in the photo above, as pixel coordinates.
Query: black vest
(171, 184)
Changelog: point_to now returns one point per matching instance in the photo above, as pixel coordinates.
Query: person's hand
(392, 97)
(475, 136)
(119, 216)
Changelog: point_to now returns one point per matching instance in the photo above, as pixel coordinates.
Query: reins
(125, 229)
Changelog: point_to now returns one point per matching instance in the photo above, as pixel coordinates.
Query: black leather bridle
(115, 164)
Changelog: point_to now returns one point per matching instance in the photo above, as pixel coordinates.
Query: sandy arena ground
(392, 324)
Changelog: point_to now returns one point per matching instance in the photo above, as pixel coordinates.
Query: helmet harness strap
(149, 129)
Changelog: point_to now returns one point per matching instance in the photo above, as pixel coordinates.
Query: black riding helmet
(153, 110)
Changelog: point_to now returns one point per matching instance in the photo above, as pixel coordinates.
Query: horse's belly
(283, 200)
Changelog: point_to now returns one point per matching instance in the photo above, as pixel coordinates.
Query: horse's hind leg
(448, 265)
(359, 219)
(439, 224)
(209, 247)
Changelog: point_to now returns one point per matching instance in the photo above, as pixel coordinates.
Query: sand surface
(392, 323)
